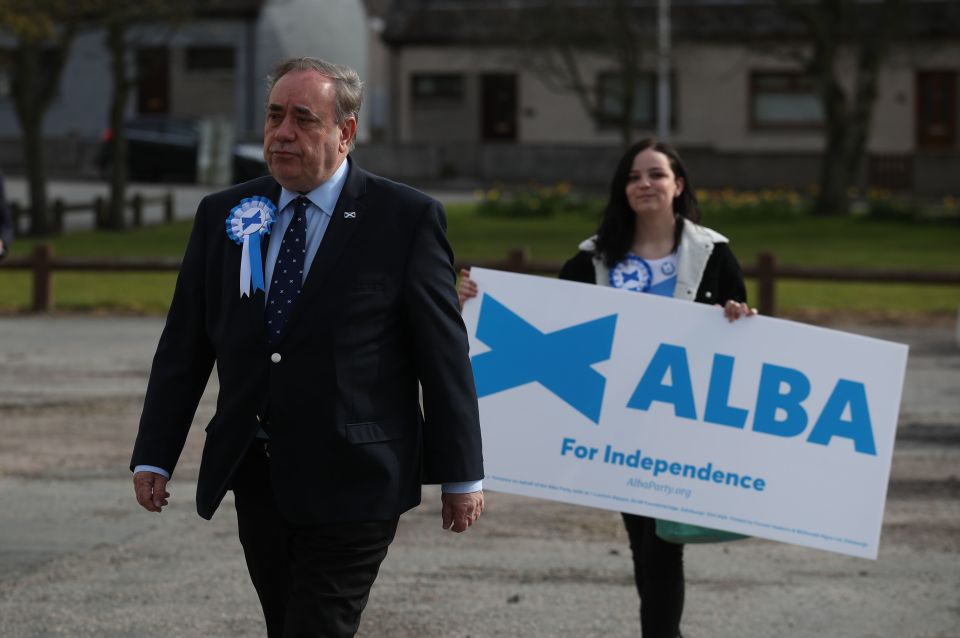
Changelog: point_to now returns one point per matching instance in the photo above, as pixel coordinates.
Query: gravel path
(79, 558)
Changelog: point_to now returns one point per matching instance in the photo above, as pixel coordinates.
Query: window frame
(799, 83)
(607, 122)
(442, 98)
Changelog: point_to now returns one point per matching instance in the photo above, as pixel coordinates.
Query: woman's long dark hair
(619, 222)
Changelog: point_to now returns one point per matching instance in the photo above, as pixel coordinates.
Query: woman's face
(652, 185)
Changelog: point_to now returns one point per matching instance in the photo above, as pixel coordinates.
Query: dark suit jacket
(378, 312)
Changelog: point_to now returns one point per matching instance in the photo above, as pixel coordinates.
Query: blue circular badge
(633, 273)
(668, 268)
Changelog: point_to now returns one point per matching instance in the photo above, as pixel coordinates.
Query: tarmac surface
(78, 557)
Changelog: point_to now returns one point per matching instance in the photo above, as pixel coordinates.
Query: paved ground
(78, 557)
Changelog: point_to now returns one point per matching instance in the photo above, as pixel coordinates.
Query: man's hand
(466, 288)
(460, 511)
(152, 491)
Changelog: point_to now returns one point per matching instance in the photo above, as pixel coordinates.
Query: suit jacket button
(275, 357)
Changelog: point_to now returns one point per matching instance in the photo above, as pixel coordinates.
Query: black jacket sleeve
(579, 268)
(722, 278)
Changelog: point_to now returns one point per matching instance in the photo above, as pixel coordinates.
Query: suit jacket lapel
(347, 216)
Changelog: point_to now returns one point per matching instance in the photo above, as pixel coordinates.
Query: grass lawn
(853, 242)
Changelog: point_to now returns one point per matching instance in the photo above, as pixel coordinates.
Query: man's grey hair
(348, 88)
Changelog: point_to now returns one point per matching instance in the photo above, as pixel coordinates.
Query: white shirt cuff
(152, 468)
(464, 487)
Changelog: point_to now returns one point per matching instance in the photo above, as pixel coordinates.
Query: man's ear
(348, 130)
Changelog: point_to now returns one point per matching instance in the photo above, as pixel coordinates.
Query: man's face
(302, 144)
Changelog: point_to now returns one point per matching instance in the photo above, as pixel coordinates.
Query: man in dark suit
(318, 430)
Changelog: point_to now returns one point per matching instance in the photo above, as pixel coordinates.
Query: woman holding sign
(649, 241)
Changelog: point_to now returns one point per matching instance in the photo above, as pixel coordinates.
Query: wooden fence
(98, 206)
(765, 270)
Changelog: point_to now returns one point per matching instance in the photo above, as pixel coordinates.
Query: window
(784, 100)
(610, 100)
(437, 88)
(936, 111)
(209, 59)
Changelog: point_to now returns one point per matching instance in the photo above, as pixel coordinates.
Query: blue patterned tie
(288, 271)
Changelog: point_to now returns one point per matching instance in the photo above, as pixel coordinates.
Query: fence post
(767, 284)
(16, 212)
(518, 259)
(59, 208)
(168, 207)
(137, 204)
(42, 278)
(100, 211)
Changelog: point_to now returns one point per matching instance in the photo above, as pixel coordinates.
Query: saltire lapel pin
(349, 214)
(248, 222)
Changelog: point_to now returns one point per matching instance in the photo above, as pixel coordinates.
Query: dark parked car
(161, 148)
(248, 162)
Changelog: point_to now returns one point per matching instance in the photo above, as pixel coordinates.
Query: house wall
(80, 107)
(333, 29)
(78, 116)
(207, 93)
(376, 90)
(557, 141)
(202, 94)
(712, 93)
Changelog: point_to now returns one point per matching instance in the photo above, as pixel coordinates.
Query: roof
(228, 8)
(493, 22)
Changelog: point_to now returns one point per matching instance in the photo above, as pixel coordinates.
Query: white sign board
(643, 404)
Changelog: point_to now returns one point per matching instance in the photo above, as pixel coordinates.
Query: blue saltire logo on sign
(560, 361)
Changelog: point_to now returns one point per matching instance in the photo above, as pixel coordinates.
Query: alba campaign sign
(643, 404)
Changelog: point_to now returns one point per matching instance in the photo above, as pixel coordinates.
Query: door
(498, 94)
(936, 110)
(153, 81)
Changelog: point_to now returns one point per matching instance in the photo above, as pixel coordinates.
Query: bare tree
(832, 28)
(44, 31)
(117, 17)
(556, 37)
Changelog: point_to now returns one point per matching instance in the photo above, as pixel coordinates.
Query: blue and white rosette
(633, 273)
(247, 223)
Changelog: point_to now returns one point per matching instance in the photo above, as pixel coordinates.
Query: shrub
(532, 201)
(768, 203)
